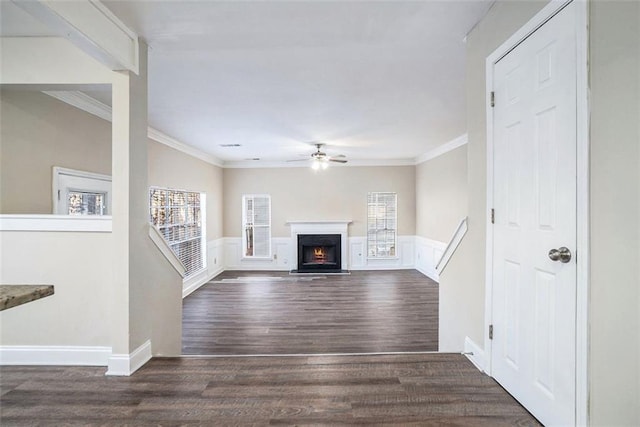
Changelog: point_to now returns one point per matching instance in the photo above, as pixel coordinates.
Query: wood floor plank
(274, 313)
(432, 389)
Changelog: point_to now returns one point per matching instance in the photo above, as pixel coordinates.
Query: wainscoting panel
(403, 260)
(282, 255)
(357, 252)
(428, 253)
(280, 259)
(215, 256)
(215, 266)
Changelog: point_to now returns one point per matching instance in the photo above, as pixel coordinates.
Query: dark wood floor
(254, 313)
(424, 389)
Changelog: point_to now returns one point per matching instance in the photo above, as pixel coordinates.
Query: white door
(534, 297)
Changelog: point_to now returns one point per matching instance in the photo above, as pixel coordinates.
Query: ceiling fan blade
(298, 160)
(337, 160)
(338, 155)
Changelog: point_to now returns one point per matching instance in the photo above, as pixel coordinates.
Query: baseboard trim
(475, 354)
(54, 355)
(189, 288)
(126, 364)
(381, 267)
(433, 275)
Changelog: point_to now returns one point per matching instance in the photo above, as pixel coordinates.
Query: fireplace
(319, 253)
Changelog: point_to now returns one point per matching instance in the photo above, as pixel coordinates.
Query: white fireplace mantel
(321, 227)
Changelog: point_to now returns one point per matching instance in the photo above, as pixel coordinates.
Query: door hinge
(493, 99)
(58, 194)
(493, 216)
(490, 332)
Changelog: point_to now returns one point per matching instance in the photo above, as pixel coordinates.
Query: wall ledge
(96, 224)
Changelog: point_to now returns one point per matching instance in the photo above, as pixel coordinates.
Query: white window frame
(203, 222)
(370, 227)
(246, 223)
(66, 180)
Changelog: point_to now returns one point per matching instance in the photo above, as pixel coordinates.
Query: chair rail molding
(86, 223)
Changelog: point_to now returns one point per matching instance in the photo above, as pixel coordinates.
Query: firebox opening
(319, 255)
(319, 252)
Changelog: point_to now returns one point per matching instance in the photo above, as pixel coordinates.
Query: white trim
(230, 249)
(81, 101)
(161, 244)
(245, 222)
(474, 353)
(244, 164)
(405, 259)
(583, 196)
(92, 27)
(320, 222)
(583, 214)
(442, 149)
(427, 254)
(90, 105)
(165, 139)
(194, 283)
(54, 355)
(340, 227)
(56, 186)
(453, 244)
(127, 364)
(93, 223)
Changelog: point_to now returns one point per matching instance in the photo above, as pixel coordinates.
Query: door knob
(561, 254)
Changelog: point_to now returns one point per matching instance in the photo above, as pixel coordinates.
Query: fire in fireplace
(319, 252)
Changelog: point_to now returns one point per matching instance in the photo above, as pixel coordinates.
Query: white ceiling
(373, 80)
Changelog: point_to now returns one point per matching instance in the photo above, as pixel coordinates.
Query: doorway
(536, 289)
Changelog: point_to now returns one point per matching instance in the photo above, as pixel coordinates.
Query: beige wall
(174, 169)
(615, 213)
(304, 194)
(462, 283)
(38, 132)
(441, 194)
(79, 265)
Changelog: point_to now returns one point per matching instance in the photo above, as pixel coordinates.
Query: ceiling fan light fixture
(315, 165)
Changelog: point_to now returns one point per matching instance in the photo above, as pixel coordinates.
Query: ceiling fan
(320, 160)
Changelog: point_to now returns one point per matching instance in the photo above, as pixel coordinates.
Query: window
(382, 225)
(179, 216)
(81, 193)
(256, 226)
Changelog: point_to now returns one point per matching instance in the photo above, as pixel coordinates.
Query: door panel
(533, 350)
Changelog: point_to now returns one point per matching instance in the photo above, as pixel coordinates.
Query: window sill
(382, 258)
(256, 258)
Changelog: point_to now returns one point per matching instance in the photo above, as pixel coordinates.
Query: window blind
(179, 215)
(382, 224)
(256, 225)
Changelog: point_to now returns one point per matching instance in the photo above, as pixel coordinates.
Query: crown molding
(442, 149)
(284, 164)
(91, 105)
(165, 139)
(82, 101)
